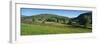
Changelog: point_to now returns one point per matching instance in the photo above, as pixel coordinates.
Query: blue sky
(67, 13)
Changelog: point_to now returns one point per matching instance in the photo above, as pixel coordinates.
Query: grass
(50, 28)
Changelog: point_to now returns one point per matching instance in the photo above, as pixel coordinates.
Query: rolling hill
(47, 17)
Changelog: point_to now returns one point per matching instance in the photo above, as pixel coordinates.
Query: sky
(36, 11)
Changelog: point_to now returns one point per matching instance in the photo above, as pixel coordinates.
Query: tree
(33, 19)
(44, 21)
(64, 21)
(57, 20)
(86, 21)
(51, 19)
(69, 22)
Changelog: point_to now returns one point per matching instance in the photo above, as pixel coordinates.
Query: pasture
(51, 28)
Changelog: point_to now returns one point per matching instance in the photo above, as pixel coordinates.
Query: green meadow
(51, 28)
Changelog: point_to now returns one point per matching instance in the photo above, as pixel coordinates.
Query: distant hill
(82, 19)
(47, 17)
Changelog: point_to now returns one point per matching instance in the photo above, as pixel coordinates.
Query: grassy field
(50, 28)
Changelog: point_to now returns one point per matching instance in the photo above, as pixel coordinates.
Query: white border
(16, 23)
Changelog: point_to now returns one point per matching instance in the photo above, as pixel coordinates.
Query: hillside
(83, 19)
(45, 17)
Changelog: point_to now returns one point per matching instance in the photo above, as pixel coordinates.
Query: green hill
(45, 17)
(84, 19)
